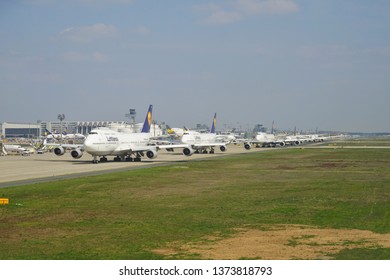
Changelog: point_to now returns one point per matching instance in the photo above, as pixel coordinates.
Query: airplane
(227, 137)
(176, 132)
(292, 140)
(202, 142)
(263, 139)
(68, 136)
(303, 138)
(64, 135)
(313, 138)
(102, 142)
(8, 148)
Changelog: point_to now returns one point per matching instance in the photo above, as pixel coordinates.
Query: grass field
(362, 142)
(194, 210)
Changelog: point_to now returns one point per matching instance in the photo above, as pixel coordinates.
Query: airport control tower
(131, 115)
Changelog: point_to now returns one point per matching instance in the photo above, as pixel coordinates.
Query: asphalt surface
(23, 170)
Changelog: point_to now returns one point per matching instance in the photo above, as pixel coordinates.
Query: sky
(310, 64)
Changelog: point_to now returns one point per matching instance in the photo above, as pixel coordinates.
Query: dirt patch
(282, 242)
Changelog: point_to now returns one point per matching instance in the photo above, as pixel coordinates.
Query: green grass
(128, 214)
(364, 254)
(383, 141)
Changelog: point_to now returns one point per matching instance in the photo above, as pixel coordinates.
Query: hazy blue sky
(308, 63)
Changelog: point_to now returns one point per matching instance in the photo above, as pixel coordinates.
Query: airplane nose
(88, 144)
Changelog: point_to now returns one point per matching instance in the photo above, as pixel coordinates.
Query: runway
(22, 170)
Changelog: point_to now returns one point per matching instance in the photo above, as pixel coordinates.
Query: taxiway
(22, 170)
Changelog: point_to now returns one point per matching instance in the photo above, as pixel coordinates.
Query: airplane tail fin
(170, 131)
(212, 130)
(148, 120)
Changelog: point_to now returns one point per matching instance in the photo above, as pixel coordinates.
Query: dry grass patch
(282, 242)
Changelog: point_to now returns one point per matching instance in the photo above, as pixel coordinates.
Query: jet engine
(247, 146)
(282, 144)
(76, 153)
(188, 151)
(223, 148)
(151, 154)
(59, 151)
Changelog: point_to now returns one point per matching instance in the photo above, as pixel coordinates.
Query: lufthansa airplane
(63, 136)
(102, 142)
(263, 139)
(202, 142)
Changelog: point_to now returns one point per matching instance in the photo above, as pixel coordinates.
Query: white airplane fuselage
(193, 137)
(103, 142)
(265, 137)
(73, 136)
(15, 148)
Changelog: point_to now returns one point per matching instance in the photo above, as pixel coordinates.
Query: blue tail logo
(148, 120)
(214, 124)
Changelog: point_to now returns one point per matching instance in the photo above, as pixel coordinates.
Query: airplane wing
(66, 146)
(144, 148)
(173, 146)
(130, 148)
(158, 142)
(203, 145)
(72, 146)
(194, 146)
(59, 150)
(149, 150)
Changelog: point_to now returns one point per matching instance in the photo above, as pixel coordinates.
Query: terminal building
(20, 130)
(40, 129)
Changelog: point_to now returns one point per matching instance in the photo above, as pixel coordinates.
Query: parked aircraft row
(270, 140)
(129, 146)
(102, 142)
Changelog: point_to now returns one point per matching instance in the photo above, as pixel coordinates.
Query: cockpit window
(93, 132)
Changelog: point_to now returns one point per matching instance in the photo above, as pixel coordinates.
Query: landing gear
(95, 160)
(126, 158)
(138, 158)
